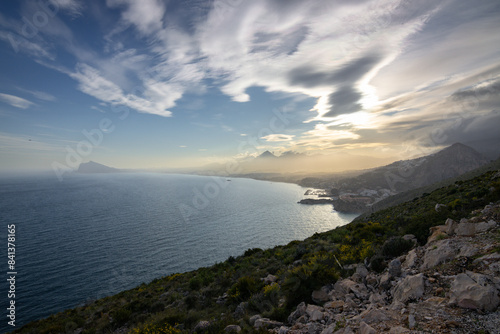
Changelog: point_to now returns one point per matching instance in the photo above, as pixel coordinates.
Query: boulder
(267, 323)
(364, 328)
(320, 296)
(437, 232)
(485, 226)
(385, 281)
(465, 229)
(314, 312)
(467, 249)
(283, 330)
(373, 316)
(411, 321)
(398, 330)
(473, 291)
(377, 299)
(269, 279)
(343, 287)
(253, 319)
(395, 267)
(451, 225)
(336, 304)
(361, 271)
(440, 252)
(299, 312)
(409, 288)
(331, 330)
(232, 329)
(201, 326)
(410, 260)
(240, 310)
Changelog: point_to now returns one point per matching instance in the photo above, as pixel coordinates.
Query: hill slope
(274, 282)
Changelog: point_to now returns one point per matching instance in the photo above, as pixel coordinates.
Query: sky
(167, 84)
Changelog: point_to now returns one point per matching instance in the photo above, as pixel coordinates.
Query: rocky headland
(449, 285)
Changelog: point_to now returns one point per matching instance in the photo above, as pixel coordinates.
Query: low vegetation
(232, 291)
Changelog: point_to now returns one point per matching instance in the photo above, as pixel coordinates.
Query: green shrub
(121, 316)
(396, 246)
(244, 288)
(377, 263)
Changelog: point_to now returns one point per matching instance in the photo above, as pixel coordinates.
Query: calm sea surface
(95, 235)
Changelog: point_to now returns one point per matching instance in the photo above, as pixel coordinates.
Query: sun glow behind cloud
(380, 72)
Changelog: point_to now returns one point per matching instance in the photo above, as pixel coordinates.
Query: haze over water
(95, 235)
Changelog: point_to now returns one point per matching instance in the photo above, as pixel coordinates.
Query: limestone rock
(253, 319)
(269, 279)
(398, 330)
(201, 326)
(314, 312)
(299, 311)
(440, 252)
(361, 270)
(343, 287)
(336, 304)
(465, 229)
(232, 329)
(320, 296)
(373, 316)
(364, 328)
(436, 233)
(485, 226)
(395, 267)
(474, 292)
(410, 260)
(451, 226)
(410, 288)
(266, 323)
(385, 281)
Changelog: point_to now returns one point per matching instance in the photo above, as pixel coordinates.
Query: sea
(94, 235)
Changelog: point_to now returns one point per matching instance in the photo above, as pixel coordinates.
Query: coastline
(260, 280)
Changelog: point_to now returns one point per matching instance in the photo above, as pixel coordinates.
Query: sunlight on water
(95, 235)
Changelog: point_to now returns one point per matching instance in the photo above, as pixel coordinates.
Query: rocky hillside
(449, 285)
(399, 176)
(382, 273)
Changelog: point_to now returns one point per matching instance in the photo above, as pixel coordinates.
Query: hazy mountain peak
(266, 155)
(94, 167)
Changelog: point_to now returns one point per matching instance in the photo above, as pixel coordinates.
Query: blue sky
(187, 83)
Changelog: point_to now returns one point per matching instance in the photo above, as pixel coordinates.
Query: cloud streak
(16, 101)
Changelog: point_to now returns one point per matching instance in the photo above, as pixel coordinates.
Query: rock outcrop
(449, 285)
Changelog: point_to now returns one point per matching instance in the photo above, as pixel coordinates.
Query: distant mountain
(266, 155)
(94, 167)
(400, 176)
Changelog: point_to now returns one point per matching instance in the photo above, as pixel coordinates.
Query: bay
(95, 235)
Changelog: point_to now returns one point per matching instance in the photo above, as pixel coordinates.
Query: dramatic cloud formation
(374, 73)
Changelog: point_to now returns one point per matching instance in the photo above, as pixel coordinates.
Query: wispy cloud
(16, 101)
(278, 137)
(15, 143)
